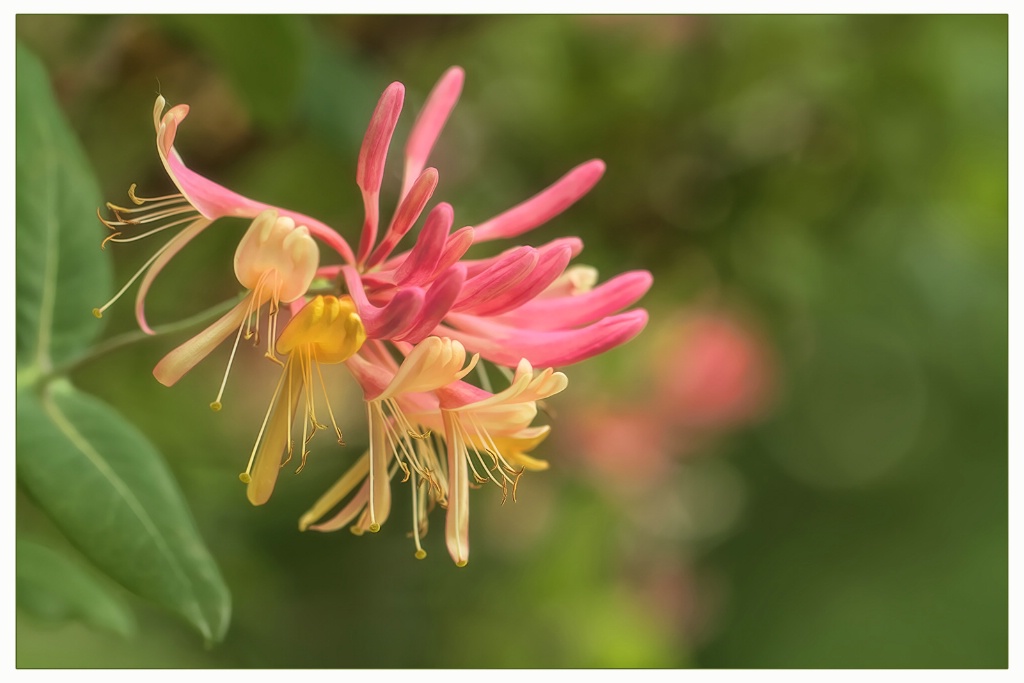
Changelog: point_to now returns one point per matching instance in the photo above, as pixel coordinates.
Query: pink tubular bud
(372, 155)
(407, 214)
(507, 345)
(422, 260)
(436, 304)
(503, 274)
(545, 205)
(581, 309)
(430, 122)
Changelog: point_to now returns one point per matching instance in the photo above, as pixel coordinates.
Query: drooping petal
(379, 504)
(372, 155)
(209, 198)
(456, 528)
(167, 252)
(353, 476)
(215, 201)
(175, 364)
(345, 514)
(273, 441)
(430, 122)
(543, 206)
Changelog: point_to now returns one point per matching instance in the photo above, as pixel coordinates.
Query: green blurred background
(802, 462)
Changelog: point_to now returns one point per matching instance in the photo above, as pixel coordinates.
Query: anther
(97, 312)
(244, 477)
(215, 406)
(420, 554)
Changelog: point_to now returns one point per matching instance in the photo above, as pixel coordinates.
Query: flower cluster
(409, 327)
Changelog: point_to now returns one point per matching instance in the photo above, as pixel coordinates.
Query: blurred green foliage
(842, 180)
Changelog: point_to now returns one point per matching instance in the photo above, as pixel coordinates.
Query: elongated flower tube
(276, 261)
(326, 330)
(198, 203)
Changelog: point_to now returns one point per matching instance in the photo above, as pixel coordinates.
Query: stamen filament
(420, 552)
(245, 476)
(142, 200)
(98, 312)
(136, 238)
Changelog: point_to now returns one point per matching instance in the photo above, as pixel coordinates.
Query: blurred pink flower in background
(708, 371)
(714, 372)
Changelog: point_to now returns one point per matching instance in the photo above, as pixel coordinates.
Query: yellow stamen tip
(97, 312)
(421, 554)
(375, 527)
(244, 478)
(215, 406)
(461, 563)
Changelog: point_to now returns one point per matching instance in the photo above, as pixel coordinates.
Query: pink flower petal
(384, 322)
(430, 122)
(507, 345)
(422, 259)
(553, 258)
(544, 206)
(372, 155)
(175, 364)
(215, 201)
(406, 215)
(436, 304)
(455, 248)
(503, 274)
(165, 254)
(456, 528)
(581, 309)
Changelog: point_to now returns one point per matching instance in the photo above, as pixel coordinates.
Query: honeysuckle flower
(325, 330)
(524, 307)
(473, 419)
(198, 203)
(391, 394)
(437, 430)
(403, 324)
(276, 261)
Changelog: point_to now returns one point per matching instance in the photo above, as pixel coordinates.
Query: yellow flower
(325, 330)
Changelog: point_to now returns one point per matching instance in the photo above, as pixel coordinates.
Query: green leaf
(60, 272)
(262, 55)
(111, 494)
(51, 586)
